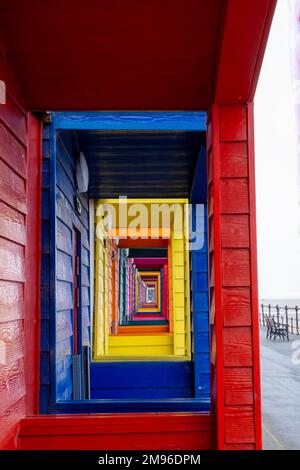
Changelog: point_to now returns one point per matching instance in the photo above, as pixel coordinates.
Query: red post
(233, 277)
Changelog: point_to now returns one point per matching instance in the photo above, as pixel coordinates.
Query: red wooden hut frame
(193, 55)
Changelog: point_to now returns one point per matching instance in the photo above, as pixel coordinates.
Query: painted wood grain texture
(234, 196)
(11, 301)
(235, 231)
(12, 188)
(233, 160)
(66, 219)
(237, 306)
(119, 431)
(13, 244)
(132, 121)
(10, 425)
(239, 425)
(15, 120)
(142, 380)
(238, 386)
(12, 380)
(200, 306)
(12, 261)
(235, 384)
(17, 152)
(12, 224)
(233, 123)
(235, 268)
(12, 341)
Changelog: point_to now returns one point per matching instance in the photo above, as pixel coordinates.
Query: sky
(277, 166)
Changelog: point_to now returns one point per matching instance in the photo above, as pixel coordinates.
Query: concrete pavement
(280, 380)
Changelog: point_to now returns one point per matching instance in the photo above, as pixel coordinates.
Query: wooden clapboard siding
(233, 278)
(142, 380)
(180, 283)
(152, 345)
(179, 289)
(173, 431)
(200, 305)
(20, 138)
(101, 310)
(59, 220)
(113, 291)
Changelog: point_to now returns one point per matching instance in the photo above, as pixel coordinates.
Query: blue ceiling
(141, 163)
(140, 154)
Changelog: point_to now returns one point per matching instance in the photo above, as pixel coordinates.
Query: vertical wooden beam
(33, 263)
(233, 277)
(254, 277)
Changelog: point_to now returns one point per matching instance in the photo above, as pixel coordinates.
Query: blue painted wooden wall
(200, 281)
(200, 306)
(183, 381)
(142, 380)
(59, 218)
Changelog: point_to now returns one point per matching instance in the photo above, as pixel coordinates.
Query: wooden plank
(142, 380)
(12, 188)
(254, 281)
(12, 341)
(64, 328)
(238, 383)
(235, 231)
(235, 268)
(64, 295)
(233, 160)
(238, 347)
(17, 154)
(240, 447)
(239, 425)
(15, 120)
(12, 379)
(11, 301)
(239, 284)
(168, 121)
(64, 267)
(217, 353)
(237, 306)
(116, 431)
(12, 224)
(12, 262)
(233, 123)
(10, 425)
(247, 25)
(234, 196)
(13, 207)
(64, 238)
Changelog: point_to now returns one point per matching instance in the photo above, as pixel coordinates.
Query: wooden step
(132, 431)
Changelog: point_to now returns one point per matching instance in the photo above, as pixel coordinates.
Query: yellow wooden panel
(181, 288)
(154, 345)
(187, 282)
(143, 351)
(178, 345)
(142, 213)
(99, 332)
(101, 307)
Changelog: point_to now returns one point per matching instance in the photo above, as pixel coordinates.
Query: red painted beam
(242, 46)
(132, 431)
(233, 285)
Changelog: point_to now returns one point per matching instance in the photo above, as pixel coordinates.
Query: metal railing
(282, 315)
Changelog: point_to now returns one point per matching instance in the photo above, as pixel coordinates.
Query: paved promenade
(281, 394)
